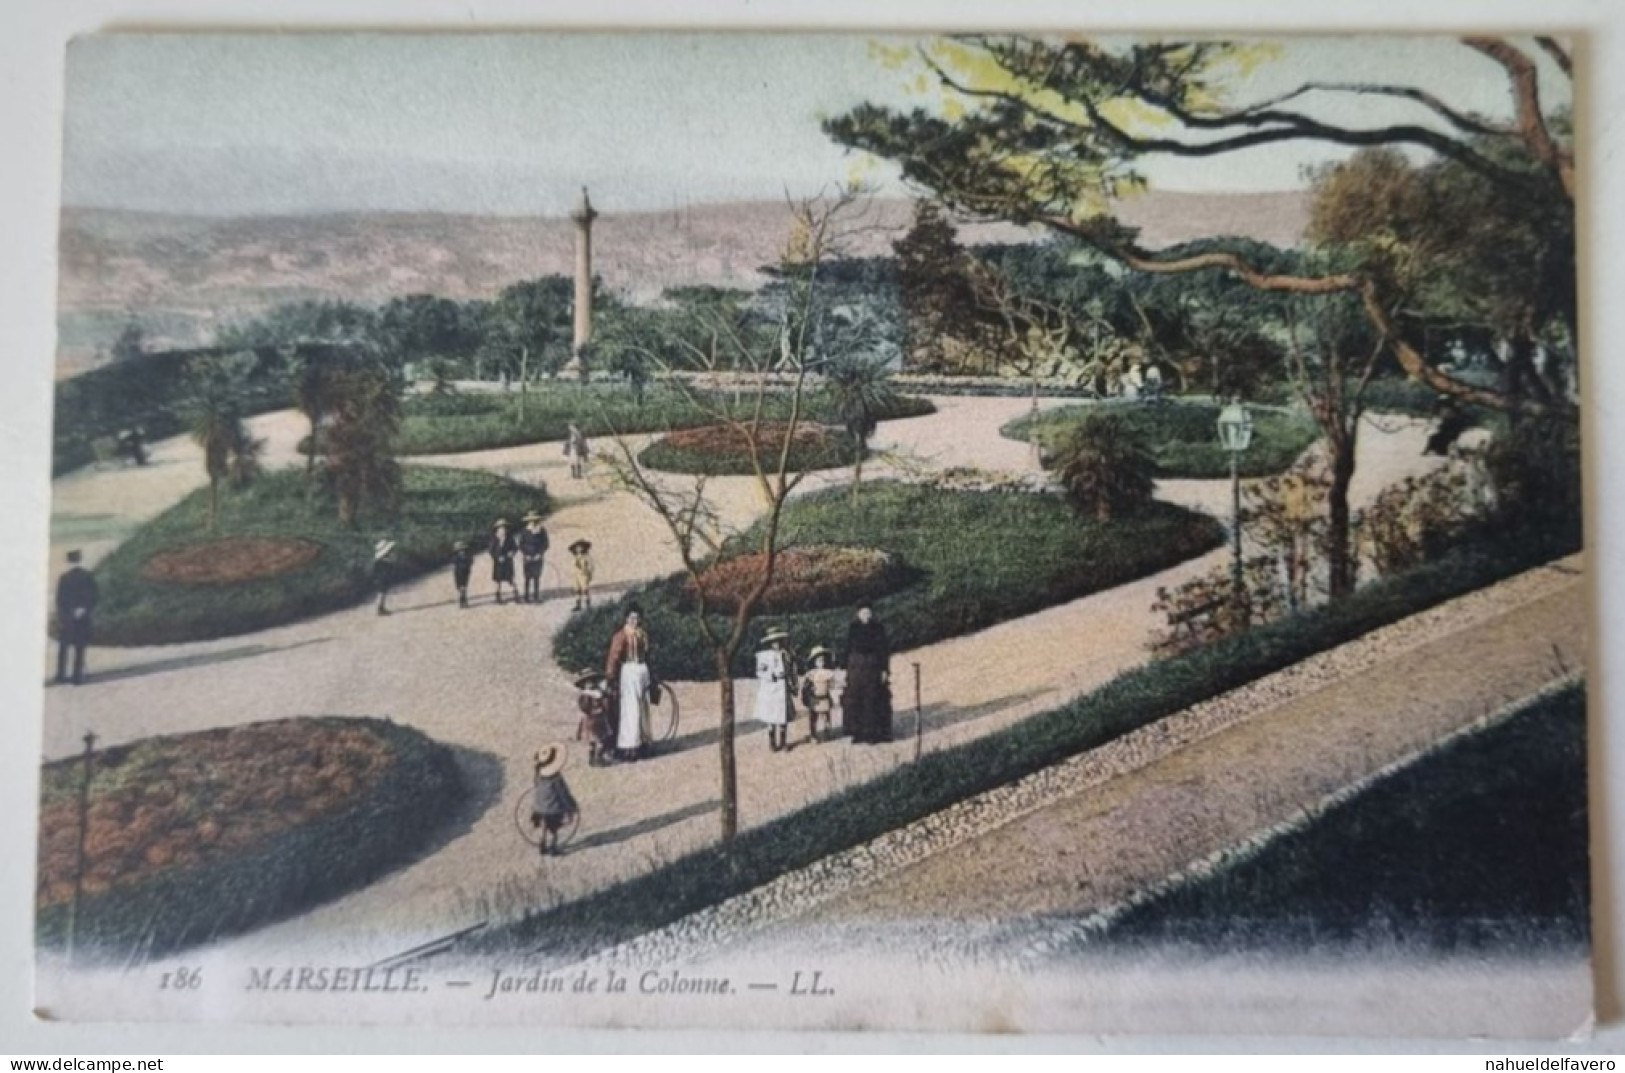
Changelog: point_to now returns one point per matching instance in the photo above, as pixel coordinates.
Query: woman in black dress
(866, 704)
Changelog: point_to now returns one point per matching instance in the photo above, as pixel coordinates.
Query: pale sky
(516, 123)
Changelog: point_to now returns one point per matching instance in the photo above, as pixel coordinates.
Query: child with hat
(553, 804)
(597, 717)
(775, 685)
(581, 550)
(818, 691)
(462, 566)
(383, 569)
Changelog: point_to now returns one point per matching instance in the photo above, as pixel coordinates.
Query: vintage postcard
(983, 533)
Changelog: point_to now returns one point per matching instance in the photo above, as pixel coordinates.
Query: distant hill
(181, 277)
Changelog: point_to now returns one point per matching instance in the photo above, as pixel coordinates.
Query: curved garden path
(482, 679)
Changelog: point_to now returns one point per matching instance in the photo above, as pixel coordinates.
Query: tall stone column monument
(582, 217)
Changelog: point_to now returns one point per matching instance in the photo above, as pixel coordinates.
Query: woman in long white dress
(775, 685)
(628, 668)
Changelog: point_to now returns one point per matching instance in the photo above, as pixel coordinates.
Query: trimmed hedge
(981, 557)
(1183, 436)
(451, 424)
(437, 507)
(941, 778)
(291, 871)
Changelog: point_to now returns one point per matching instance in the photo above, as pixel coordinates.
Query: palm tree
(229, 451)
(1106, 469)
(860, 391)
(311, 388)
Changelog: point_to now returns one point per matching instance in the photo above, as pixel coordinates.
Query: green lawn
(980, 558)
(437, 507)
(1183, 436)
(455, 423)
(1482, 845)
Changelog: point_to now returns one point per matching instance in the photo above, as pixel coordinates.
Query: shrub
(193, 836)
(1106, 469)
(1535, 471)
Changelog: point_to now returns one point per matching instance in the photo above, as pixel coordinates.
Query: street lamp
(1235, 434)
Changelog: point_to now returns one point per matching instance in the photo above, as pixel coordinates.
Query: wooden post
(84, 829)
(918, 729)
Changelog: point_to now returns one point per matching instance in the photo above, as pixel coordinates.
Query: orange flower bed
(725, 450)
(804, 579)
(184, 801)
(229, 560)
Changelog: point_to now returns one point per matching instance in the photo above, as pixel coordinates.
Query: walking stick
(917, 728)
(79, 864)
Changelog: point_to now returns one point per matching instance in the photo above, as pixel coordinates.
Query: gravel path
(987, 879)
(482, 680)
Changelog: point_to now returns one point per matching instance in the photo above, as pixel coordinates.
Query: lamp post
(1236, 433)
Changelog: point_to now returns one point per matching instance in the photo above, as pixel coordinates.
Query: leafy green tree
(859, 390)
(1106, 468)
(940, 331)
(1049, 131)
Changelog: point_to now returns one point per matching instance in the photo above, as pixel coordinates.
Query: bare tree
(770, 376)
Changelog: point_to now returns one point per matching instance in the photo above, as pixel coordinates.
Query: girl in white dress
(775, 685)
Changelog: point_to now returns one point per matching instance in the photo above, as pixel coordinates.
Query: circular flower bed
(805, 579)
(723, 450)
(193, 835)
(229, 560)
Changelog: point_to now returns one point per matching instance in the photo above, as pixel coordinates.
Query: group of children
(529, 546)
(779, 682)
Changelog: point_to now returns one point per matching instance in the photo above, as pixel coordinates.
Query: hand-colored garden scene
(1067, 503)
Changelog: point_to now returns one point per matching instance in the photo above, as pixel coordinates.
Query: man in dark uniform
(502, 549)
(532, 546)
(75, 602)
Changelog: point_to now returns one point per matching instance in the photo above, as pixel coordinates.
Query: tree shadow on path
(940, 715)
(643, 827)
(201, 659)
(699, 739)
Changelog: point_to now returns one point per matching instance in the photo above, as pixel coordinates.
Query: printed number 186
(181, 980)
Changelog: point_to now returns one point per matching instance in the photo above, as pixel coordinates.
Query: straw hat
(550, 759)
(819, 650)
(775, 633)
(500, 523)
(581, 545)
(461, 545)
(531, 516)
(382, 549)
(587, 677)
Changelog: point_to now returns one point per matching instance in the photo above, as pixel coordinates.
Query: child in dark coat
(554, 805)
